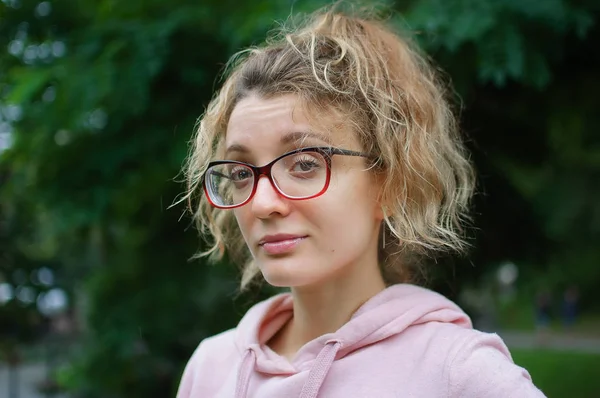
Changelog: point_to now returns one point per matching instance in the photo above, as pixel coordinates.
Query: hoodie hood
(386, 314)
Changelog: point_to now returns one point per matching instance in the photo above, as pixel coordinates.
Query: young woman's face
(303, 242)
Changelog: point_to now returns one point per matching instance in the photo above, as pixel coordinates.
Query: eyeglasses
(298, 175)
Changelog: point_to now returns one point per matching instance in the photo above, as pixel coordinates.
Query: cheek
(345, 214)
(357, 193)
(244, 221)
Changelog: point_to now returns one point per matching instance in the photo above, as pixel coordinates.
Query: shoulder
(480, 364)
(216, 348)
(213, 354)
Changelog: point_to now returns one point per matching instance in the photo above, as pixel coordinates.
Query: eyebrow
(295, 136)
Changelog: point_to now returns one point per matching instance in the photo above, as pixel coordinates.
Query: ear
(379, 204)
(380, 212)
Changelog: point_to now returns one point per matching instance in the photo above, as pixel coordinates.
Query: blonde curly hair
(360, 66)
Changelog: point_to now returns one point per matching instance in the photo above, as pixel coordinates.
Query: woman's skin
(331, 265)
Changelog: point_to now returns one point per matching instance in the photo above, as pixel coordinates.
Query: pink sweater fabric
(406, 341)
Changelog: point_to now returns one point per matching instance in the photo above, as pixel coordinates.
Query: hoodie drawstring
(319, 371)
(243, 381)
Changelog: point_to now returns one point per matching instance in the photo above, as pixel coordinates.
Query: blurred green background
(99, 98)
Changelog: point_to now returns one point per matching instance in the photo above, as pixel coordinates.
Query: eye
(306, 163)
(240, 173)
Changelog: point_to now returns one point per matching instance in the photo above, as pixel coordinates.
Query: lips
(279, 238)
(280, 243)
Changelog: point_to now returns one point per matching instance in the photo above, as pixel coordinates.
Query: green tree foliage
(20, 322)
(103, 96)
(526, 73)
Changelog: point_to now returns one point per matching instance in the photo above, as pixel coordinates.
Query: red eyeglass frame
(326, 152)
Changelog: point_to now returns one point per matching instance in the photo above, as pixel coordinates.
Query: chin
(286, 272)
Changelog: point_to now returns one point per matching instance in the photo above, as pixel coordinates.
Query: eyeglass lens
(296, 176)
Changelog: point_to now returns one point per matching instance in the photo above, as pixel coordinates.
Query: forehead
(257, 121)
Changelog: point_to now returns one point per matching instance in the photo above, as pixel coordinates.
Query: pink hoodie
(404, 342)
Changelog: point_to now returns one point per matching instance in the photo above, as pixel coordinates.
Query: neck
(323, 309)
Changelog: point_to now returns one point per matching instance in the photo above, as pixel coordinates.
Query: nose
(267, 200)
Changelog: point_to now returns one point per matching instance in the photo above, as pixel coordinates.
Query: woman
(331, 164)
